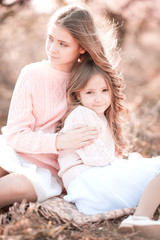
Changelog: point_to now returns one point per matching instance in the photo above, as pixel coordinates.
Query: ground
(32, 227)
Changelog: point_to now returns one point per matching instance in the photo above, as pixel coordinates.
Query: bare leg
(150, 199)
(141, 221)
(14, 188)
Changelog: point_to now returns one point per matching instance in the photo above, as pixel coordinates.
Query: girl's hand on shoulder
(77, 137)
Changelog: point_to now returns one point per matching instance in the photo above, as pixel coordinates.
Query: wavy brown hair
(78, 20)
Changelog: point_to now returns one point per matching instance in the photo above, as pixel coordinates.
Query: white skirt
(115, 186)
(46, 185)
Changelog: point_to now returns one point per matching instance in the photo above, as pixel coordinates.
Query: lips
(98, 105)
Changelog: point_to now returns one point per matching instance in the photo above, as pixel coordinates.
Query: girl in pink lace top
(96, 177)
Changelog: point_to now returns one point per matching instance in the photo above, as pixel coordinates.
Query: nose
(98, 98)
(53, 48)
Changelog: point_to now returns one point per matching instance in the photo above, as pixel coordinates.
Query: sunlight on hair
(107, 31)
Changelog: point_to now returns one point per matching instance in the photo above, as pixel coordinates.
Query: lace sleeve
(98, 153)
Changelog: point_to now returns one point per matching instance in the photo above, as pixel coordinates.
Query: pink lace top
(99, 153)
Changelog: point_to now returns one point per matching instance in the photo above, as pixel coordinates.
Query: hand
(77, 137)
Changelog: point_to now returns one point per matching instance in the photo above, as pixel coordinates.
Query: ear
(82, 50)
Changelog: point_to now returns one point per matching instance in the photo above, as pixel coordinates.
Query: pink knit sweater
(38, 102)
(99, 153)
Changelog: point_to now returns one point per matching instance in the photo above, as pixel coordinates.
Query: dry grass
(30, 226)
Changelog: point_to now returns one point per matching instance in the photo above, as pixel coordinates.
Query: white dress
(45, 184)
(115, 185)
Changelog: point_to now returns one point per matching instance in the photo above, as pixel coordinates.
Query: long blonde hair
(80, 76)
(79, 22)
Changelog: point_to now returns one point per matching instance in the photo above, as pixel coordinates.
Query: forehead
(60, 33)
(96, 81)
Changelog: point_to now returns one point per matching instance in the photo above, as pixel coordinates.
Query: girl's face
(95, 95)
(62, 49)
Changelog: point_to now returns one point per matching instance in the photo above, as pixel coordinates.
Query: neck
(63, 68)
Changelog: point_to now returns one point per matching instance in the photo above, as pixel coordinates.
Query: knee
(22, 187)
(17, 183)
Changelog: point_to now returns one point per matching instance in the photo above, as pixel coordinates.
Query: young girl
(96, 178)
(29, 144)
(142, 219)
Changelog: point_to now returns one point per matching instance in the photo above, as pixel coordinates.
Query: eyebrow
(89, 89)
(63, 41)
(95, 88)
(50, 35)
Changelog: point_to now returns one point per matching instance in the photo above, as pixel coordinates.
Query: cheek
(86, 101)
(109, 100)
(75, 52)
(109, 97)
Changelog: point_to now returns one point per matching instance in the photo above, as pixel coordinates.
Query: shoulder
(82, 115)
(44, 70)
(28, 75)
(33, 67)
(83, 110)
(32, 74)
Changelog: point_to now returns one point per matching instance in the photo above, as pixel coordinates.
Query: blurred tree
(10, 9)
(19, 2)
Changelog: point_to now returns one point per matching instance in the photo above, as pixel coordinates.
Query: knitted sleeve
(20, 132)
(97, 153)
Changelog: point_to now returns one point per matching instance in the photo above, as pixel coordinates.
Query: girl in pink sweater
(96, 177)
(29, 144)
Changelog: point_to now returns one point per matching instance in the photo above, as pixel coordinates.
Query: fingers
(92, 131)
(85, 143)
(79, 126)
(84, 128)
(78, 137)
(85, 137)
